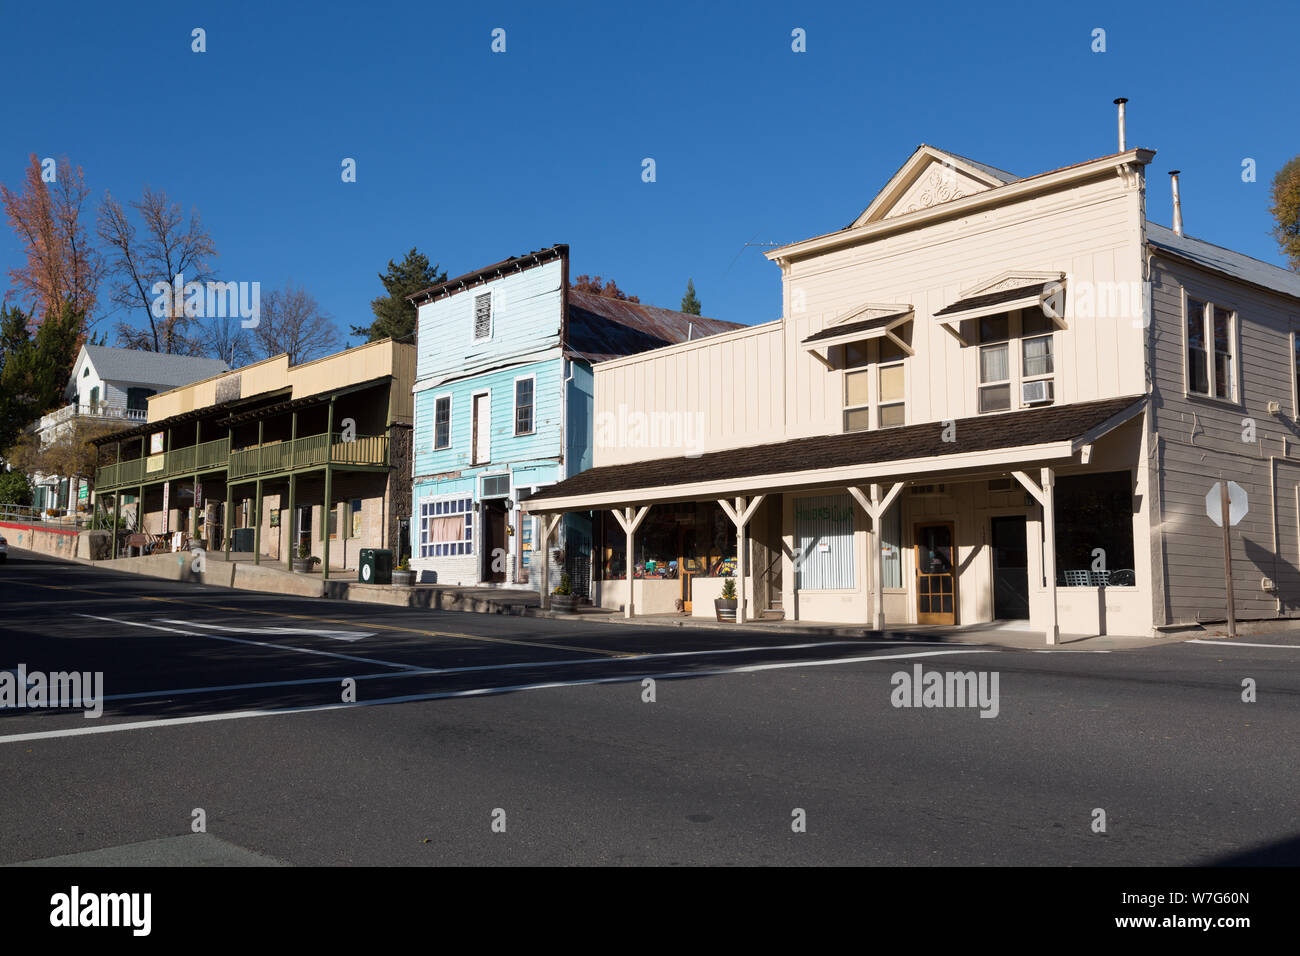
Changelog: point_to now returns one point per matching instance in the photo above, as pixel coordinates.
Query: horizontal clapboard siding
(1200, 439)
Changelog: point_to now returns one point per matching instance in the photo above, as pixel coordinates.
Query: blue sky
(474, 156)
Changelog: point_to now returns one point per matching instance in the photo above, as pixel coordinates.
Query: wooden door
(936, 583)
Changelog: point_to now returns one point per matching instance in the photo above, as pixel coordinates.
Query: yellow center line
(388, 627)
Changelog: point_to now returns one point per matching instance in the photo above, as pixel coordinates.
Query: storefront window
(824, 539)
(687, 537)
(1094, 530)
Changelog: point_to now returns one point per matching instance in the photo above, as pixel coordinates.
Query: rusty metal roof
(603, 328)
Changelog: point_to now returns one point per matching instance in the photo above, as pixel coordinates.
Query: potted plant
(403, 576)
(725, 606)
(563, 598)
(305, 560)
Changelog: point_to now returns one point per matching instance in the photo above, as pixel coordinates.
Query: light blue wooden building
(503, 405)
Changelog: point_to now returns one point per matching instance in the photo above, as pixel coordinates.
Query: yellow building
(271, 457)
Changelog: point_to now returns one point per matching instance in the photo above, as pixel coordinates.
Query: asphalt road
(232, 703)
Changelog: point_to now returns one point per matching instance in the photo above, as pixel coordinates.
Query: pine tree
(690, 303)
(394, 316)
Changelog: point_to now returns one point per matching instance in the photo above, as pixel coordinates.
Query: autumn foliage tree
(594, 285)
(1286, 211)
(62, 265)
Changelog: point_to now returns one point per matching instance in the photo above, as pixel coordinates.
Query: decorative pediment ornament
(938, 185)
(1012, 280)
(873, 310)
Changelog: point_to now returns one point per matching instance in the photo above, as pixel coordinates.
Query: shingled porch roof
(989, 441)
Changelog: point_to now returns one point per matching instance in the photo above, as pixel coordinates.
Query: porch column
(630, 519)
(228, 518)
(875, 507)
(1049, 553)
(291, 527)
(548, 525)
(1045, 495)
(117, 516)
(257, 524)
(329, 492)
(740, 514)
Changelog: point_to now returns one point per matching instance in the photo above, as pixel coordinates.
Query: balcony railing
(311, 451)
(102, 410)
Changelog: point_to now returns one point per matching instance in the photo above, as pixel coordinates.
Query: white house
(990, 398)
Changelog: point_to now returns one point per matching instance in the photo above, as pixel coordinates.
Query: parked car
(4, 549)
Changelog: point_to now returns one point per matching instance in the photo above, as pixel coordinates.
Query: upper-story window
(874, 381)
(483, 316)
(442, 422)
(995, 364)
(1004, 384)
(524, 405)
(891, 405)
(857, 387)
(1211, 350)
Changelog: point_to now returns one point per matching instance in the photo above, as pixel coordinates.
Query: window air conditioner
(1035, 393)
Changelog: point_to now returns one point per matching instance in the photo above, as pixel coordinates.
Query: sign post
(1226, 505)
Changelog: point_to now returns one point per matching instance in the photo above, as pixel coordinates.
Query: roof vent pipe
(1178, 202)
(1122, 138)
(690, 331)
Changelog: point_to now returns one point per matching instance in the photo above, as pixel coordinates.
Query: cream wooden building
(979, 366)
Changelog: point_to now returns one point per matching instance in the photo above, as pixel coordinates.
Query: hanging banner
(167, 497)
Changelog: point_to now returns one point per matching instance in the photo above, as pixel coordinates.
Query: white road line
(1197, 640)
(475, 692)
(312, 632)
(240, 640)
(514, 665)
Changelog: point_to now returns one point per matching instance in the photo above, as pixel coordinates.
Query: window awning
(1046, 292)
(869, 322)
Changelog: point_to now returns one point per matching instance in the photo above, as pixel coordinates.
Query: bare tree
(170, 246)
(292, 321)
(224, 337)
(62, 264)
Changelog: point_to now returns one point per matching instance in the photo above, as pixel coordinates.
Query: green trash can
(376, 566)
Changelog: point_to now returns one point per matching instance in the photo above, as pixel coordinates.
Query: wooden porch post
(228, 518)
(548, 525)
(257, 523)
(1049, 553)
(875, 507)
(740, 513)
(1045, 495)
(117, 515)
(630, 519)
(329, 490)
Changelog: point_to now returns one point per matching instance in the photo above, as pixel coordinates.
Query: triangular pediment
(1013, 279)
(929, 178)
(872, 310)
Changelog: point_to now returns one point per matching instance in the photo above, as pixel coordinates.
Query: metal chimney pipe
(1178, 202)
(1122, 138)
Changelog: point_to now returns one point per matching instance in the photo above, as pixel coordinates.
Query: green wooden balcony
(311, 451)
